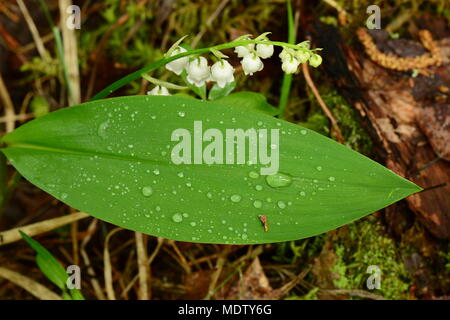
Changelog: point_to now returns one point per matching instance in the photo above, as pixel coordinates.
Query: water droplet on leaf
(279, 180)
(147, 191)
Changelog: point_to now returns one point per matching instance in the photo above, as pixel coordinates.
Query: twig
(149, 262)
(356, 293)
(74, 233)
(322, 104)
(34, 229)
(33, 287)
(107, 263)
(71, 54)
(16, 117)
(216, 275)
(10, 115)
(183, 260)
(34, 31)
(142, 266)
(95, 284)
(285, 289)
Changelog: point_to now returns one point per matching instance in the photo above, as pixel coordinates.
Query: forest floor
(408, 242)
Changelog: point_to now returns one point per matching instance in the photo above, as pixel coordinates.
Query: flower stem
(287, 78)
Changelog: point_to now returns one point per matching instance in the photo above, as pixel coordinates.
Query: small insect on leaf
(264, 221)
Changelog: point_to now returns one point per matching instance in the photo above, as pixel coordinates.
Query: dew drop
(235, 198)
(156, 171)
(193, 224)
(302, 193)
(279, 180)
(331, 178)
(319, 168)
(253, 174)
(303, 132)
(257, 204)
(281, 204)
(102, 129)
(180, 174)
(147, 191)
(258, 187)
(177, 217)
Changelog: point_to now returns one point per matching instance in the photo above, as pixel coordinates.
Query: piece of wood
(410, 129)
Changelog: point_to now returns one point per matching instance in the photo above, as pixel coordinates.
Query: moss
(362, 246)
(347, 117)
(349, 122)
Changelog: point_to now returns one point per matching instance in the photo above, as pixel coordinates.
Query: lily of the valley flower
(264, 50)
(159, 91)
(302, 56)
(243, 51)
(222, 72)
(315, 60)
(177, 66)
(251, 64)
(285, 54)
(198, 71)
(290, 65)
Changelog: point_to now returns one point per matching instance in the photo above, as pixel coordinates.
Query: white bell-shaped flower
(243, 51)
(177, 66)
(198, 72)
(315, 60)
(251, 64)
(285, 54)
(290, 65)
(302, 56)
(264, 50)
(159, 91)
(222, 72)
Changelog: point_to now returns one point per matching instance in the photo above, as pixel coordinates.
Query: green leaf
(249, 101)
(112, 159)
(51, 268)
(217, 92)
